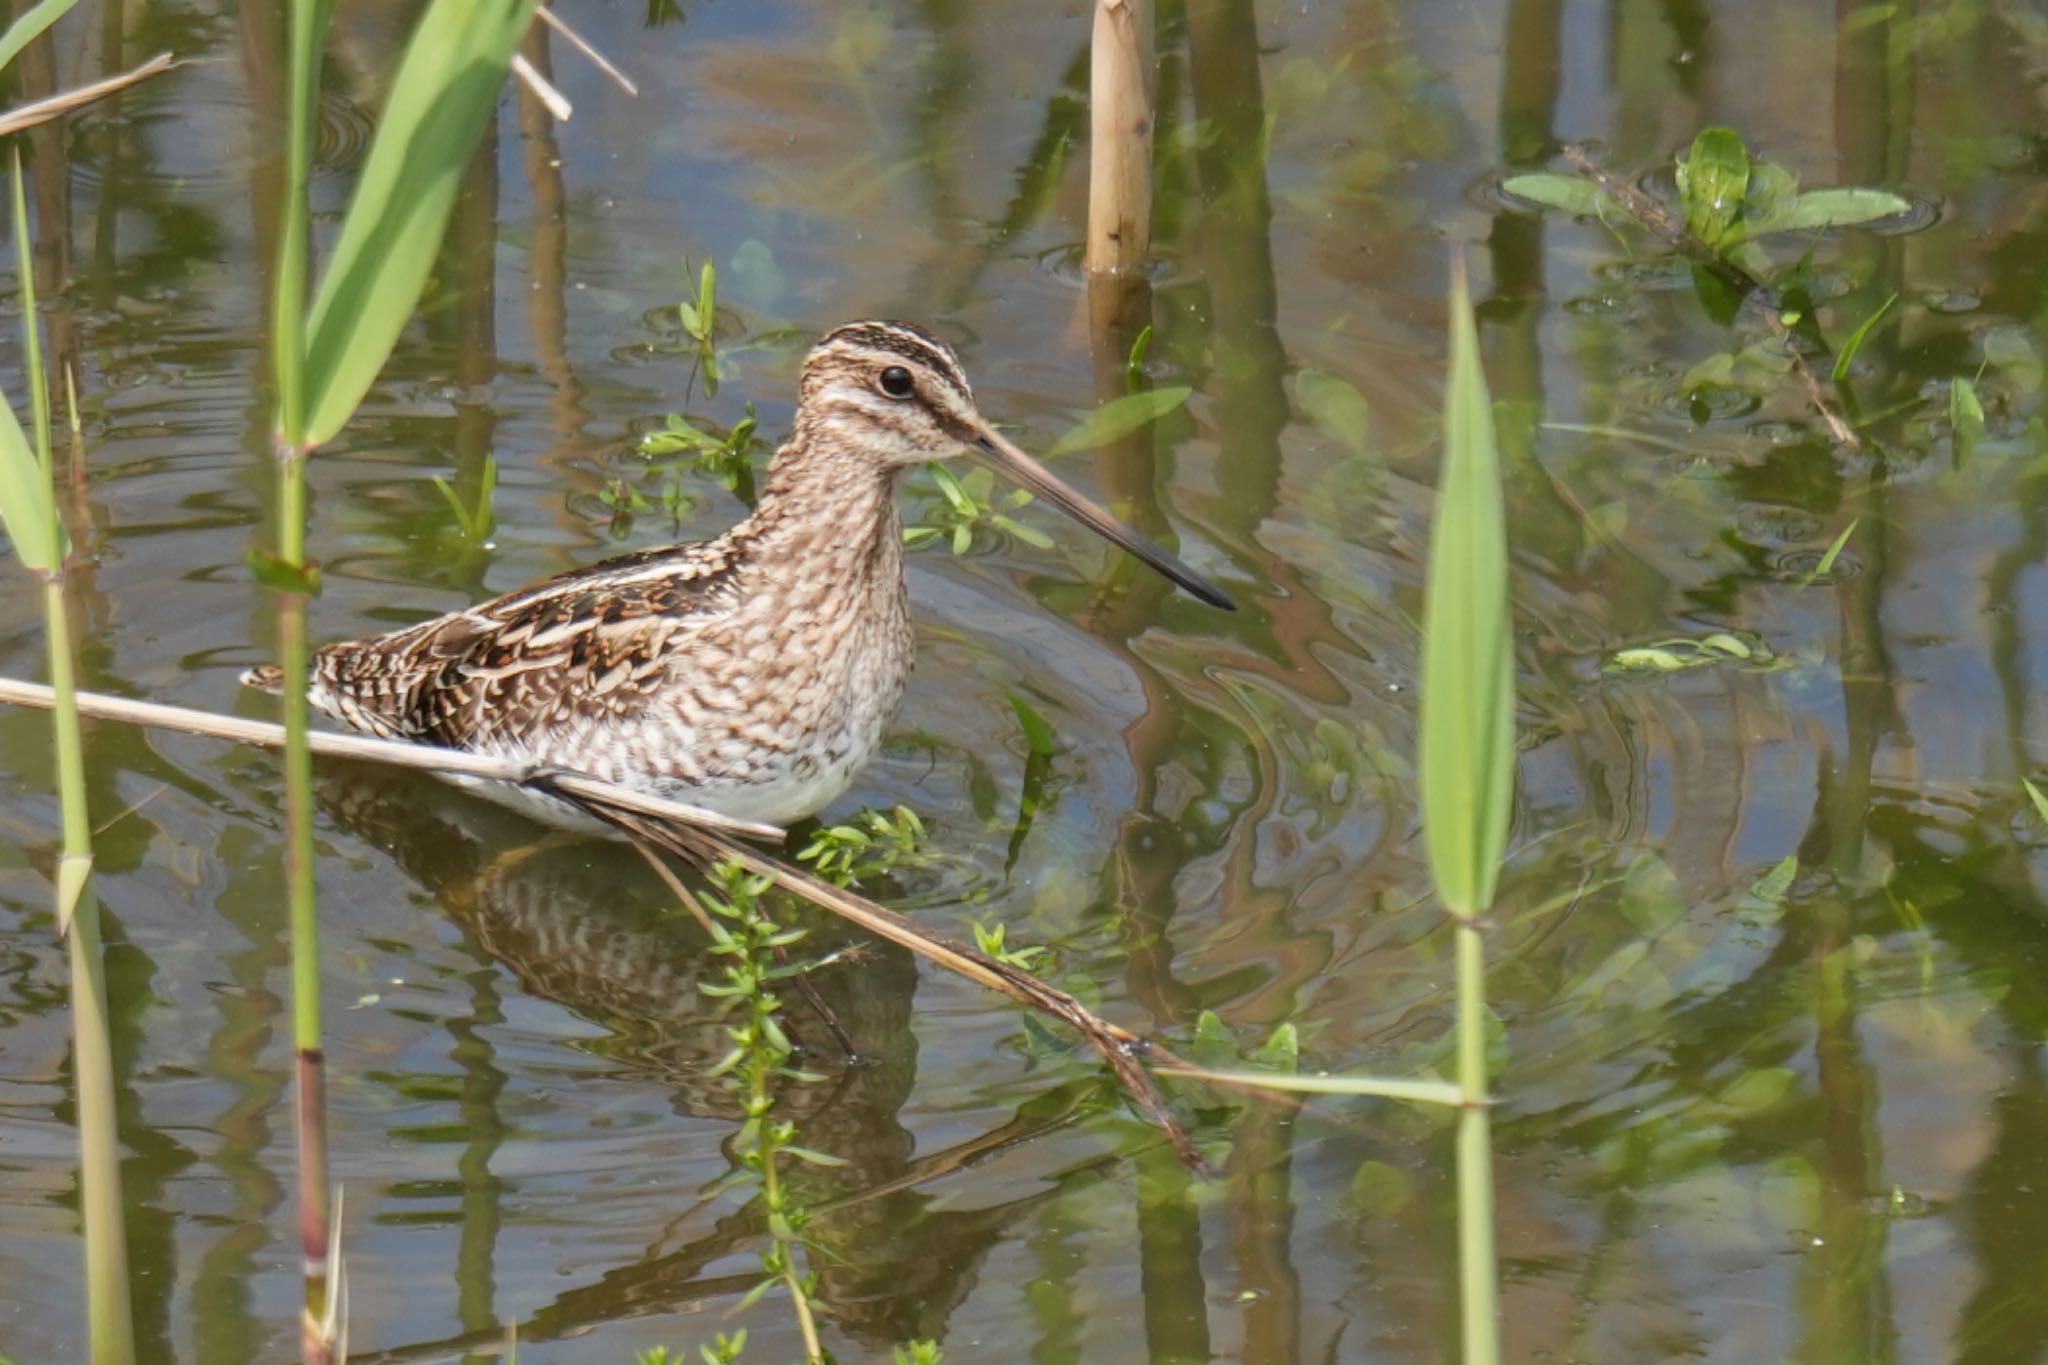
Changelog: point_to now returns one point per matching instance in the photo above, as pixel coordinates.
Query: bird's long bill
(1045, 484)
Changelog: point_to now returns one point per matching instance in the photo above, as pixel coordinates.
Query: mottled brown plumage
(753, 673)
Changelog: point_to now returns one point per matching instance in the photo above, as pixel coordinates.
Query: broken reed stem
(697, 836)
(1661, 222)
(1119, 137)
(1119, 1047)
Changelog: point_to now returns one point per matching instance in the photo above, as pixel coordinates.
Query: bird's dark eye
(896, 382)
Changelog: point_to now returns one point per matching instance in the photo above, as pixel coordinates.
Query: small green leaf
(1712, 181)
(1134, 364)
(273, 572)
(1965, 417)
(1647, 658)
(1335, 406)
(1755, 1091)
(811, 1157)
(1772, 886)
(27, 503)
(2040, 801)
(1827, 560)
(1572, 194)
(1120, 417)
(1847, 357)
(1213, 1045)
(1836, 209)
(1734, 646)
(1038, 734)
(1281, 1052)
(1772, 191)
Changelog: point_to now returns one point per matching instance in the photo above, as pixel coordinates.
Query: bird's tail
(265, 678)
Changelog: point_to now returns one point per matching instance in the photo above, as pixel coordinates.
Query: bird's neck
(818, 502)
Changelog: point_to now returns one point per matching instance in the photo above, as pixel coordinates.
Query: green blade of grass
(1847, 357)
(447, 84)
(1826, 565)
(29, 27)
(1468, 741)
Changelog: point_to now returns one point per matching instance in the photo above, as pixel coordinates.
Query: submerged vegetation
(1589, 886)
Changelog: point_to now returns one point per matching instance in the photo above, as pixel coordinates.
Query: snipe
(753, 673)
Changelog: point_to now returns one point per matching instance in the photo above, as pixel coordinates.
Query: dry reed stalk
(1119, 137)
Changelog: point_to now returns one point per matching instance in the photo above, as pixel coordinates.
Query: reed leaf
(25, 499)
(447, 85)
(1468, 738)
(29, 27)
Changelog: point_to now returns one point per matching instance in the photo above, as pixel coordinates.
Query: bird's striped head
(890, 390)
(893, 393)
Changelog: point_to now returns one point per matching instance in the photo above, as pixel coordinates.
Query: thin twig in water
(1648, 210)
(64, 101)
(557, 103)
(577, 41)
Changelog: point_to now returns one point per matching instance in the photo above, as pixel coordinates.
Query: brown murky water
(1742, 1119)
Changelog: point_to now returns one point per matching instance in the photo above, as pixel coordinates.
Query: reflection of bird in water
(571, 928)
(602, 938)
(753, 673)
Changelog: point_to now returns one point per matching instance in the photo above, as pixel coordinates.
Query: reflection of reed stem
(1119, 137)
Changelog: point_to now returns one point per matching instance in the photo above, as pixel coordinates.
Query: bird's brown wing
(510, 671)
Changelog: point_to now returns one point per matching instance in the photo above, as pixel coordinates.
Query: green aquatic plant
(755, 1068)
(1727, 196)
(872, 844)
(28, 505)
(1680, 654)
(323, 361)
(699, 319)
(475, 520)
(970, 507)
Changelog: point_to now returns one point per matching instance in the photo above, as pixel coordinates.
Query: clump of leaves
(1728, 196)
(918, 1353)
(991, 940)
(872, 844)
(970, 507)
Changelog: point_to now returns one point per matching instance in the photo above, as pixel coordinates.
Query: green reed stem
(108, 1313)
(1478, 1292)
(305, 29)
(109, 1316)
